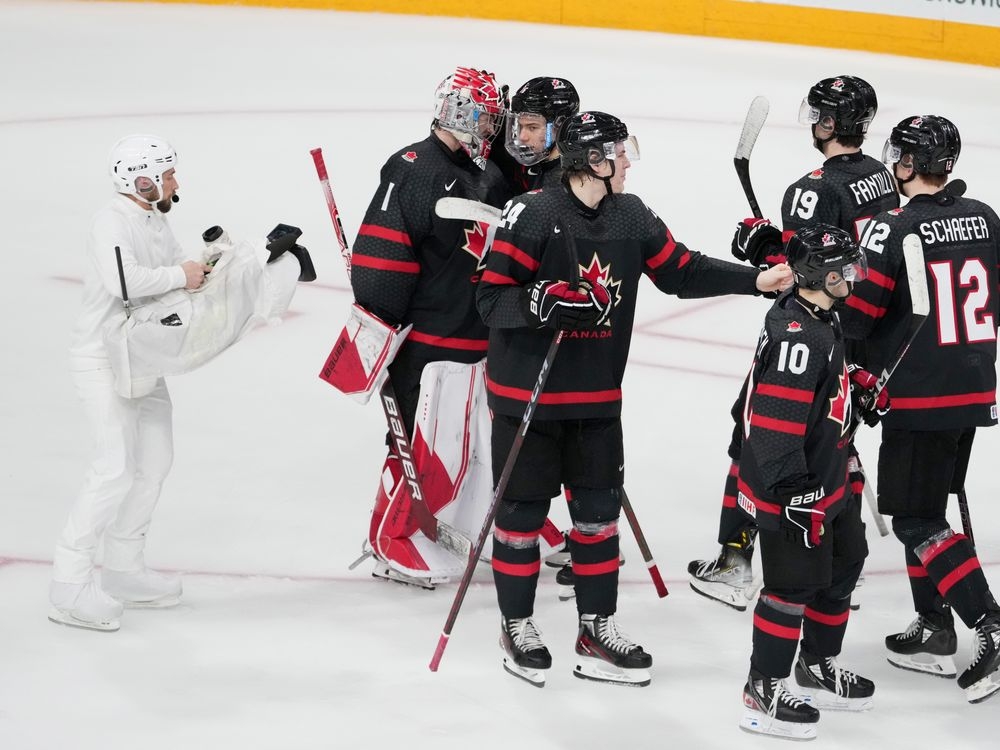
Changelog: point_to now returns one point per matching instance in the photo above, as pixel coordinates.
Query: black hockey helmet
(552, 99)
(848, 101)
(588, 138)
(814, 251)
(933, 142)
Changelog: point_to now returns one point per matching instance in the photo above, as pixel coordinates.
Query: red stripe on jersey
(664, 255)
(729, 501)
(872, 311)
(877, 277)
(515, 253)
(522, 570)
(773, 508)
(826, 619)
(468, 345)
(943, 402)
(381, 264)
(595, 569)
(916, 571)
(773, 628)
(778, 425)
(957, 575)
(384, 233)
(492, 277)
(554, 399)
(780, 391)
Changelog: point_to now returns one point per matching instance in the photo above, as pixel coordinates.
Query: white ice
(277, 644)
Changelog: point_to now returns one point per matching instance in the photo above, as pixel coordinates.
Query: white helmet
(136, 156)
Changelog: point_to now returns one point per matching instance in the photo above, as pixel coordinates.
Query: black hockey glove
(759, 242)
(557, 305)
(800, 518)
(869, 406)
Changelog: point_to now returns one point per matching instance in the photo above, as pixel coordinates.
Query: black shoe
(827, 685)
(770, 708)
(926, 646)
(982, 679)
(606, 654)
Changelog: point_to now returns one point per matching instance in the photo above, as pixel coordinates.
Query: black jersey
(617, 243)
(947, 379)
(410, 266)
(847, 191)
(522, 179)
(794, 413)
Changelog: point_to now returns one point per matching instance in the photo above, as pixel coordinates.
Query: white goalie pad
(183, 329)
(358, 363)
(451, 446)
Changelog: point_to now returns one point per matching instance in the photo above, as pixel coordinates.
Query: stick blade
(752, 125)
(916, 274)
(466, 210)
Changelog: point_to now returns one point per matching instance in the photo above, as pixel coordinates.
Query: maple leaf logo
(475, 242)
(596, 273)
(840, 403)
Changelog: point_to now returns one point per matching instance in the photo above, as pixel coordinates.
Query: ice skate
(525, 655)
(770, 708)
(560, 558)
(83, 605)
(567, 583)
(728, 579)
(982, 679)
(928, 645)
(143, 588)
(606, 654)
(825, 684)
(386, 572)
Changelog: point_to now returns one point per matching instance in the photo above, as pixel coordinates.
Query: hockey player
(412, 268)
(527, 292)
(846, 191)
(944, 388)
(796, 416)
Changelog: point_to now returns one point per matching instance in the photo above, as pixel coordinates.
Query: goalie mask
(537, 111)
(815, 251)
(137, 164)
(927, 144)
(468, 105)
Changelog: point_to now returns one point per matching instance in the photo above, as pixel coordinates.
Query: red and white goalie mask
(469, 106)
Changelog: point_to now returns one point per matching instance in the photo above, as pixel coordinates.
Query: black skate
(567, 583)
(525, 655)
(826, 685)
(769, 708)
(606, 654)
(927, 645)
(728, 579)
(982, 679)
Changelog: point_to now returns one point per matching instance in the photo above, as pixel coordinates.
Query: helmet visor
(810, 115)
(529, 137)
(856, 271)
(629, 148)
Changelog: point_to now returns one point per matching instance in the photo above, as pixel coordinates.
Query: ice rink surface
(277, 644)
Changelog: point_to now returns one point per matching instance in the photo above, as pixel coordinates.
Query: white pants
(134, 451)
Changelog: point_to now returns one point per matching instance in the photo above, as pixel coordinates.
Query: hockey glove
(870, 406)
(557, 305)
(801, 519)
(759, 242)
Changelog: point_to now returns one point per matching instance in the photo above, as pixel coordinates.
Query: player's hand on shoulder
(757, 241)
(777, 278)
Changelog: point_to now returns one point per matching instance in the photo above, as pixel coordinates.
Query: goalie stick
(752, 125)
(916, 276)
(437, 531)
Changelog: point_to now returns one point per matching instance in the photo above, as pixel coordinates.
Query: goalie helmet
(140, 156)
(816, 250)
(588, 138)
(468, 105)
(848, 101)
(932, 141)
(552, 100)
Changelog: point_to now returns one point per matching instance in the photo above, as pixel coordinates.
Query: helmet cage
(468, 105)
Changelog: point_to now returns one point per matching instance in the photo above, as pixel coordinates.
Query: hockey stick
(338, 228)
(916, 276)
(752, 126)
(508, 468)
(437, 531)
(640, 538)
(963, 510)
(466, 209)
(121, 280)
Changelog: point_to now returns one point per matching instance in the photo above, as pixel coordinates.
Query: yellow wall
(942, 40)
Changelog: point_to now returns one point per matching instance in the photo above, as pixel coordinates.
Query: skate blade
(566, 593)
(756, 722)
(63, 618)
(722, 593)
(425, 584)
(985, 688)
(938, 666)
(534, 677)
(598, 670)
(827, 701)
(163, 603)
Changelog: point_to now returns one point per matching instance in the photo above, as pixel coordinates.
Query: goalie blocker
(358, 363)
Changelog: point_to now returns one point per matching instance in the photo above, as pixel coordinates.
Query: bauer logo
(138, 167)
(747, 504)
